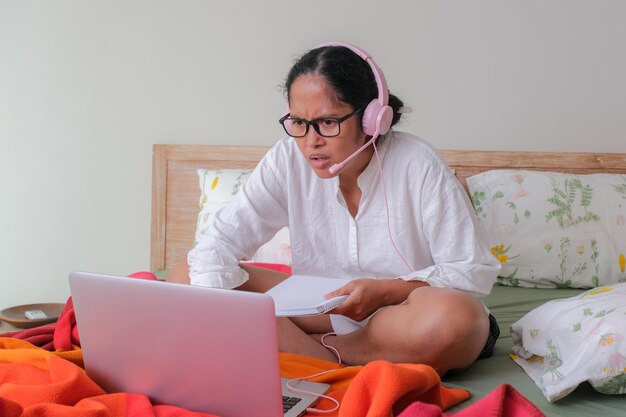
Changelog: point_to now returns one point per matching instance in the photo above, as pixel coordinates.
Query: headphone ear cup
(369, 117)
(377, 118)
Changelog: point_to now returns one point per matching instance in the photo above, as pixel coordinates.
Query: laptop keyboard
(289, 402)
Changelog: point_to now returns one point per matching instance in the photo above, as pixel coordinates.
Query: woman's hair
(349, 75)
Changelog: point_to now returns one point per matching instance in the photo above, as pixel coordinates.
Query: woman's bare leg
(441, 327)
(179, 274)
(261, 279)
(293, 339)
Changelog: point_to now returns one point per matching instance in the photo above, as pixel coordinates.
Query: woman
(418, 260)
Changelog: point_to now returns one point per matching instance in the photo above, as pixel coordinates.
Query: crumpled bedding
(565, 342)
(37, 382)
(41, 374)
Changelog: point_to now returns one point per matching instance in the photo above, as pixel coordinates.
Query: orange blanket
(38, 383)
(379, 388)
(35, 382)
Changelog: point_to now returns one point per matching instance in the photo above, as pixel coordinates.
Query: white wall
(86, 88)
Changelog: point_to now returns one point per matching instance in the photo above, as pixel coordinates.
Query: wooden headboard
(175, 189)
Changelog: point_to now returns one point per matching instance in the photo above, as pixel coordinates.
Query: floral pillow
(553, 230)
(567, 341)
(218, 187)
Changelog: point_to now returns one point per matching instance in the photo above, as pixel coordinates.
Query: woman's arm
(249, 220)
(456, 240)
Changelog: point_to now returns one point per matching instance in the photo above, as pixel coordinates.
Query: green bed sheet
(508, 304)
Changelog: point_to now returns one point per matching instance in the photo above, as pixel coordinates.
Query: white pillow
(567, 341)
(217, 188)
(553, 230)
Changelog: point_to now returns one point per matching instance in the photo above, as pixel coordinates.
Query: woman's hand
(366, 295)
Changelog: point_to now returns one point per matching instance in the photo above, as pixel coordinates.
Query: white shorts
(343, 325)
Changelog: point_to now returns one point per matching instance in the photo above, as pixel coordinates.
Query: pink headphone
(378, 115)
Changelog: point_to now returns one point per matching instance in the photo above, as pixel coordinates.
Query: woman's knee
(456, 324)
(447, 304)
(179, 274)
(443, 328)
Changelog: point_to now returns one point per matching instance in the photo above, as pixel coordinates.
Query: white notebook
(303, 295)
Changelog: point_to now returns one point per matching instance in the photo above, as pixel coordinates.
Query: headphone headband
(381, 81)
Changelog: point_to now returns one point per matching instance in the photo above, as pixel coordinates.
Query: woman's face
(311, 98)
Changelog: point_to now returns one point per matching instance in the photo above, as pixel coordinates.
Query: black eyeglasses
(327, 127)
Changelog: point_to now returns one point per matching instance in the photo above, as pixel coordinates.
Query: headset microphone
(338, 167)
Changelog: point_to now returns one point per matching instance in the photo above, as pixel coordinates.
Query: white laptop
(203, 349)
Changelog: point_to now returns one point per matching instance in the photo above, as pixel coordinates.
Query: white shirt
(431, 221)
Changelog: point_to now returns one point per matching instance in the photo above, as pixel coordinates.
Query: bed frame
(175, 189)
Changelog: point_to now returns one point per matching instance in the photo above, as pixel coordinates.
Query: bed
(175, 198)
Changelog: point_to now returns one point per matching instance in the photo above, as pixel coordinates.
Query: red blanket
(504, 401)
